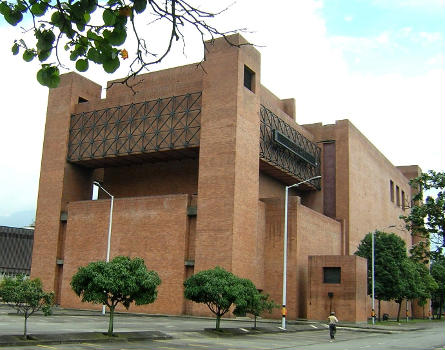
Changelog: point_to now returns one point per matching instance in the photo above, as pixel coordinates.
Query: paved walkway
(77, 326)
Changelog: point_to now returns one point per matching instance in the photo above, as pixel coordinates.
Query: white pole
(286, 197)
(373, 281)
(283, 310)
(110, 224)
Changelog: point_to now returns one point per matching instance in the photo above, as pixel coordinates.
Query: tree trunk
(110, 323)
(398, 311)
(25, 328)
(254, 322)
(218, 321)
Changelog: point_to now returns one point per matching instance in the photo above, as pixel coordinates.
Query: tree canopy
(92, 31)
(253, 302)
(26, 296)
(427, 216)
(121, 281)
(437, 270)
(390, 251)
(397, 276)
(219, 290)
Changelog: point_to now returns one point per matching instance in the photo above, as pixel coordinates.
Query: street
(188, 333)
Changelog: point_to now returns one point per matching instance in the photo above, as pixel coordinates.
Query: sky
(378, 63)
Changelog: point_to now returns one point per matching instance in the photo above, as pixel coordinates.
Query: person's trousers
(332, 330)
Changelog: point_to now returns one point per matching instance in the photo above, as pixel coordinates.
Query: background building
(15, 250)
(197, 160)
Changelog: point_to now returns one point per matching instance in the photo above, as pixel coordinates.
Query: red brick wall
(349, 301)
(153, 228)
(60, 182)
(308, 232)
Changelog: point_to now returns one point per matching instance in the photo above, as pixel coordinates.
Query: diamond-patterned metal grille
(151, 126)
(283, 158)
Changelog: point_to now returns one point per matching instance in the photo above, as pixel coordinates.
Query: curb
(90, 337)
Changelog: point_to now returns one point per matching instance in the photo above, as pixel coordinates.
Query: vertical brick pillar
(60, 182)
(229, 160)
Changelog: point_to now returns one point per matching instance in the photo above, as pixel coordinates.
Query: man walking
(332, 325)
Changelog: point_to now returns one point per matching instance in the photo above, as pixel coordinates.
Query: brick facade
(198, 175)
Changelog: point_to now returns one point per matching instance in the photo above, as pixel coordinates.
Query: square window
(331, 274)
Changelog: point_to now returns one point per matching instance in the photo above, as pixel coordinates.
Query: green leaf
(86, 17)
(4, 8)
(48, 76)
(93, 55)
(110, 66)
(45, 39)
(39, 8)
(93, 36)
(140, 5)
(118, 36)
(43, 55)
(80, 26)
(109, 17)
(13, 17)
(15, 49)
(57, 18)
(28, 55)
(82, 65)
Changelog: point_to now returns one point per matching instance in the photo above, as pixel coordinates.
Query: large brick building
(198, 160)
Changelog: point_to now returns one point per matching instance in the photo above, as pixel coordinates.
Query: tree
(254, 302)
(427, 217)
(408, 286)
(437, 270)
(390, 252)
(26, 296)
(218, 289)
(427, 285)
(121, 281)
(96, 32)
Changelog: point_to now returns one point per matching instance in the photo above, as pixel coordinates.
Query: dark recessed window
(403, 200)
(398, 196)
(82, 100)
(249, 78)
(391, 190)
(331, 274)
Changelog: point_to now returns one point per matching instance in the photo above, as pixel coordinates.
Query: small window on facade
(391, 190)
(249, 79)
(398, 196)
(82, 100)
(331, 274)
(403, 200)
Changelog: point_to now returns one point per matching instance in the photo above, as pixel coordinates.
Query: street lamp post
(110, 223)
(286, 197)
(373, 271)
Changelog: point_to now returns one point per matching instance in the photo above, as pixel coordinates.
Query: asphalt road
(187, 333)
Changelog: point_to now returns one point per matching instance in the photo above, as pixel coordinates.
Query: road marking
(313, 326)
(201, 345)
(47, 347)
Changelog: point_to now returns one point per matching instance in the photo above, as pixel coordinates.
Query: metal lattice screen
(292, 159)
(150, 126)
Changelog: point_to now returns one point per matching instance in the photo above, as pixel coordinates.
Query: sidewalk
(77, 326)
